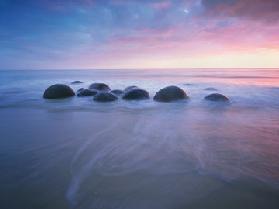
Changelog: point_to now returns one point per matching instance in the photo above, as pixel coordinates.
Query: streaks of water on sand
(84, 171)
(126, 153)
(88, 142)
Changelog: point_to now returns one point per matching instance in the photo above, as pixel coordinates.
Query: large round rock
(99, 87)
(217, 98)
(169, 94)
(105, 97)
(130, 88)
(136, 94)
(58, 91)
(86, 92)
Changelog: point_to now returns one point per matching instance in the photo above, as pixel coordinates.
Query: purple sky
(42, 34)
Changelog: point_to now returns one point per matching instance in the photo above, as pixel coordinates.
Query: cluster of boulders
(102, 93)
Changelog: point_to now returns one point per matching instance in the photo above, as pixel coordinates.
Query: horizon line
(167, 68)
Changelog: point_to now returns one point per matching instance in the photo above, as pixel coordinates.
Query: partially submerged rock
(86, 92)
(210, 89)
(130, 88)
(76, 82)
(135, 94)
(99, 87)
(188, 84)
(117, 92)
(105, 97)
(170, 94)
(217, 97)
(58, 91)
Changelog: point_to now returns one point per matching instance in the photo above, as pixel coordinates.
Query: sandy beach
(77, 153)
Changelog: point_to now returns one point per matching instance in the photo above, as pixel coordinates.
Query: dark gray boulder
(117, 92)
(86, 92)
(76, 82)
(105, 97)
(217, 97)
(99, 87)
(58, 91)
(135, 94)
(170, 94)
(188, 84)
(210, 89)
(130, 88)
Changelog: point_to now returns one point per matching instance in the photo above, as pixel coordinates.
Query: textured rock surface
(105, 97)
(211, 89)
(86, 92)
(99, 87)
(76, 82)
(169, 94)
(136, 94)
(130, 88)
(217, 97)
(58, 91)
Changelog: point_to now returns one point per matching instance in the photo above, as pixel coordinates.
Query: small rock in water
(117, 92)
(210, 89)
(99, 87)
(76, 82)
(105, 97)
(58, 91)
(130, 88)
(86, 92)
(217, 97)
(169, 94)
(135, 94)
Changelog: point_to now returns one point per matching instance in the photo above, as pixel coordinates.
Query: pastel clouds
(261, 10)
(146, 33)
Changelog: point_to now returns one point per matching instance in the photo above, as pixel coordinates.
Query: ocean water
(76, 153)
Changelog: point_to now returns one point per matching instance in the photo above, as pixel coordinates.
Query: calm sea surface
(76, 153)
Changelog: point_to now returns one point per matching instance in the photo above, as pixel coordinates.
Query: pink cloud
(162, 5)
(197, 41)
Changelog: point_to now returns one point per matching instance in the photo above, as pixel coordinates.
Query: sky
(85, 34)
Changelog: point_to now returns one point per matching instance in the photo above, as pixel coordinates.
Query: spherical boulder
(130, 88)
(99, 87)
(170, 94)
(217, 98)
(86, 92)
(117, 92)
(58, 91)
(135, 94)
(105, 97)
